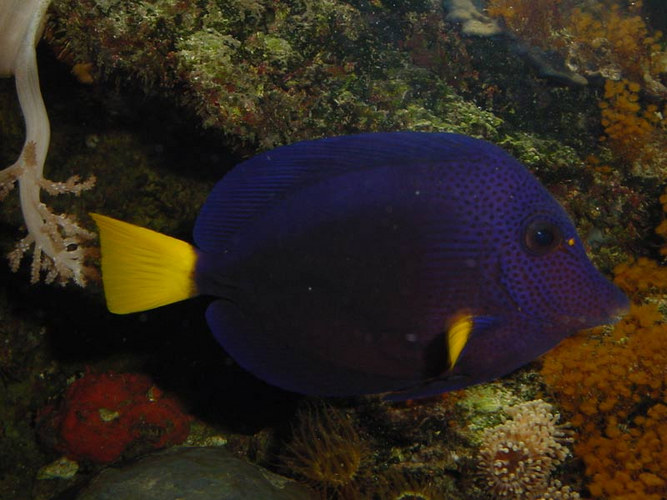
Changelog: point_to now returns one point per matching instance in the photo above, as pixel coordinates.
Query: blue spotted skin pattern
(338, 265)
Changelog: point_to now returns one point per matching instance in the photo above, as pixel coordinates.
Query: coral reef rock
(193, 473)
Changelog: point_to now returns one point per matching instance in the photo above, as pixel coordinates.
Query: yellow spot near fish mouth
(571, 242)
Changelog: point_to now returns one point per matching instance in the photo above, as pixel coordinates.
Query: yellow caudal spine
(143, 269)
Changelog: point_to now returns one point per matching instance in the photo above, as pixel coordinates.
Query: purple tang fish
(403, 263)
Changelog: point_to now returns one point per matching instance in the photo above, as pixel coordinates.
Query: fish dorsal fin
(254, 186)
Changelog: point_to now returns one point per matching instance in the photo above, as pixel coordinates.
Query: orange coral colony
(661, 230)
(632, 130)
(613, 387)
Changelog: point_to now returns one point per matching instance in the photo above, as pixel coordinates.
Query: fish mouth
(618, 314)
(607, 316)
(603, 302)
(609, 312)
(584, 322)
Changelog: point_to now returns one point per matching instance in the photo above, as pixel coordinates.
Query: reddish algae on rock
(105, 415)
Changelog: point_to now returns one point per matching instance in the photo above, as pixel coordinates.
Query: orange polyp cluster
(641, 276)
(602, 383)
(605, 38)
(609, 37)
(626, 124)
(624, 33)
(629, 463)
(620, 35)
(613, 386)
(632, 59)
(661, 230)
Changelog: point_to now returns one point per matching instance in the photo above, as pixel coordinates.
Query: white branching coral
(517, 458)
(56, 240)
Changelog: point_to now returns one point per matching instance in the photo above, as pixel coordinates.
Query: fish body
(404, 263)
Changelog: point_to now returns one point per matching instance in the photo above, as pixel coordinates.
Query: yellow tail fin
(143, 269)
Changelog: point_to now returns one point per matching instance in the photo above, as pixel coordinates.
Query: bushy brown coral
(517, 457)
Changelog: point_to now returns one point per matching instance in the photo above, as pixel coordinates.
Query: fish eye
(541, 236)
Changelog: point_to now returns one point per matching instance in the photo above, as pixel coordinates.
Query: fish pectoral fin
(458, 334)
(459, 330)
